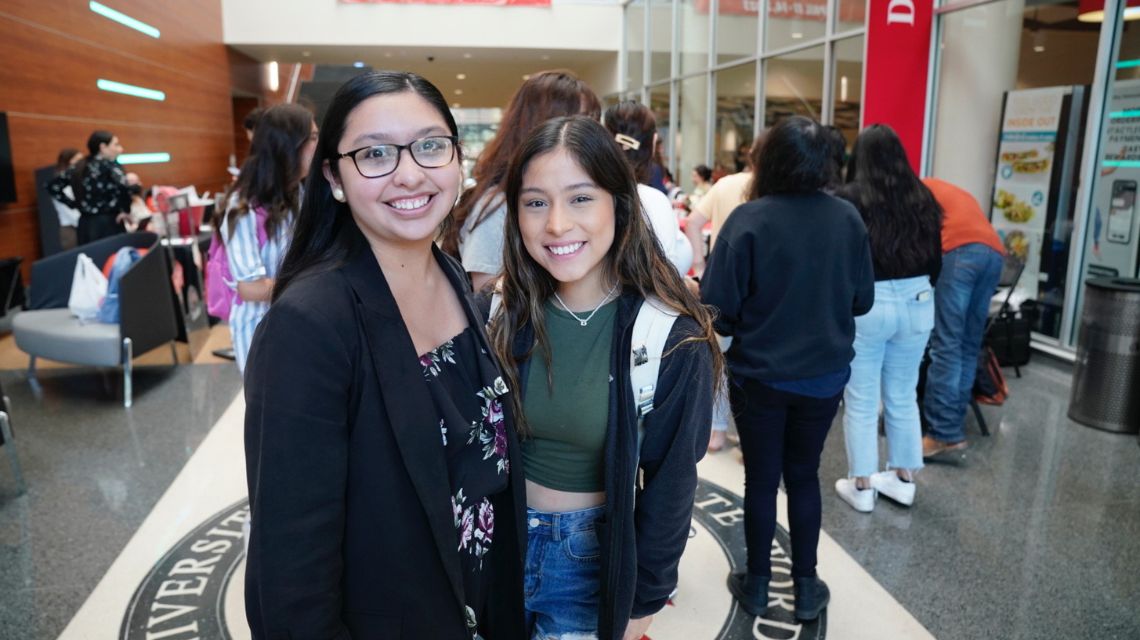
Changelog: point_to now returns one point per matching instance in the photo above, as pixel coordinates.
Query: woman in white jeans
(904, 226)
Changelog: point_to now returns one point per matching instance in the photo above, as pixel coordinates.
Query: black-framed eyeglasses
(378, 160)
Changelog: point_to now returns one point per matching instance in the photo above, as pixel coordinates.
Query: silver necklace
(586, 320)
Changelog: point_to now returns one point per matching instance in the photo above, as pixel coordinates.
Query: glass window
(635, 45)
(793, 85)
(694, 45)
(737, 24)
(660, 39)
(659, 104)
(852, 14)
(735, 118)
(1022, 154)
(848, 87)
(791, 22)
(691, 137)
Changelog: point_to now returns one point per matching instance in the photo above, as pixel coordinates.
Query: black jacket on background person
(101, 193)
(352, 528)
(644, 529)
(788, 275)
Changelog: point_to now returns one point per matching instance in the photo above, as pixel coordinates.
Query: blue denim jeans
(889, 342)
(969, 275)
(562, 578)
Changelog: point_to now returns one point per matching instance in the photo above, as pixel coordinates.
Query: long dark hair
(544, 95)
(635, 258)
(901, 214)
(271, 175)
(635, 120)
(793, 158)
(324, 233)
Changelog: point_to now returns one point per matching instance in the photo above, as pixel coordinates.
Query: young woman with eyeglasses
(609, 503)
(381, 458)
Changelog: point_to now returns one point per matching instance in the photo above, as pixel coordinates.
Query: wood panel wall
(53, 54)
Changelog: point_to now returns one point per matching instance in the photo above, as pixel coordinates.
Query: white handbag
(88, 288)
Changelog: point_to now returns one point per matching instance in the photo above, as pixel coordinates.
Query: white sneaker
(889, 484)
(862, 500)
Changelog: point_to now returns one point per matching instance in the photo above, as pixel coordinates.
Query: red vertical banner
(896, 66)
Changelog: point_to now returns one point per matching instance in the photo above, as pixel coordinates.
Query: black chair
(11, 286)
(7, 441)
(147, 306)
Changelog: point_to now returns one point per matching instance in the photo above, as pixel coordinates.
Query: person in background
(267, 195)
(384, 475)
(140, 213)
(609, 500)
(477, 235)
(971, 267)
(635, 130)
(68, 215)
(99, 189)
(903, 221)
(789, 273)
(702, 182)
(725, 195)
(249, 122)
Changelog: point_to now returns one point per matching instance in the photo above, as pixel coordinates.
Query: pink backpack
(221, 289)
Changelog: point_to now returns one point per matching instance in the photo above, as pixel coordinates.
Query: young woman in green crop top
(579, 260)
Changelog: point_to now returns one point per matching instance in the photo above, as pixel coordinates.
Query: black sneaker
(751, 591)
(812, 596)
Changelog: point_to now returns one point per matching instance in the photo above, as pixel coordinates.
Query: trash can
(1106, 379)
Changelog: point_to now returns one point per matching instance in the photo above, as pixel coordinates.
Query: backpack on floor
(989, 383)
(221, 288)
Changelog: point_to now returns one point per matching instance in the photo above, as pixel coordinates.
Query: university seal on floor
(185, 595)
(195, 590)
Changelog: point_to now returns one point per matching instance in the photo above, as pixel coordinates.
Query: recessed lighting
(467, 55)
(526, 77)
(459, 92)
(1039, 49)
(545, 57)
(461, 76)
(454, 105)
(797, 35)
(305, 54)
(358, 64)
(272, 76)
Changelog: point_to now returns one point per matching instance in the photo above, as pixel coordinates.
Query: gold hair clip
(627, 143)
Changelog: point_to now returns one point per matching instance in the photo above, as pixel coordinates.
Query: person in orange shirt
(971, 266)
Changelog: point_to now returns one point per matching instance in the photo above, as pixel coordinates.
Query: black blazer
(353, 534)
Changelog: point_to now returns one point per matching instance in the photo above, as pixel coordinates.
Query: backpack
(221, 288)
(989, 383)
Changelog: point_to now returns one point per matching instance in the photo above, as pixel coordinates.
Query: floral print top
(466, 389)
(102, 190)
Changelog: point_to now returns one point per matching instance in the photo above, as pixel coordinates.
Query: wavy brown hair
(544, 95)
(635, 259)
(635, 120)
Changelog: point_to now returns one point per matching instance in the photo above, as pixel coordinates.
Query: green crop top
(566, 448)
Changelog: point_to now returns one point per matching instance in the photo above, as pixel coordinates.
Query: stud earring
(338, 194)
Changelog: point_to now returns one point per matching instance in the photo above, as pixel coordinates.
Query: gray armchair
(48, 330)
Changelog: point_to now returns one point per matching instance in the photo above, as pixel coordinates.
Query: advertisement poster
(1111, 242)
(1026, 154)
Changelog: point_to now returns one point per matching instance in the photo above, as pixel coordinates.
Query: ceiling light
(305, 54)
(461, 76)
(526, 76)
(797, 35)
(843, 88)
(1038, 49)
(545, 57)
(358, 64)
(467, 55)
(387, 54)
(272, 76)
(454, 105)
(459, 92)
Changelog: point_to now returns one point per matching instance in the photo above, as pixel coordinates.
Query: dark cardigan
(353, 534)
(639, 562)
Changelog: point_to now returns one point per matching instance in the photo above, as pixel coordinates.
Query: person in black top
(98, 189)
(384, 473)
(789, 272)
(904, 225)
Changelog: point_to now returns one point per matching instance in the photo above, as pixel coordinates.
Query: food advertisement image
(1020, 206)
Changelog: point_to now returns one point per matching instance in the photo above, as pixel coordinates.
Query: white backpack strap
(650, 332)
